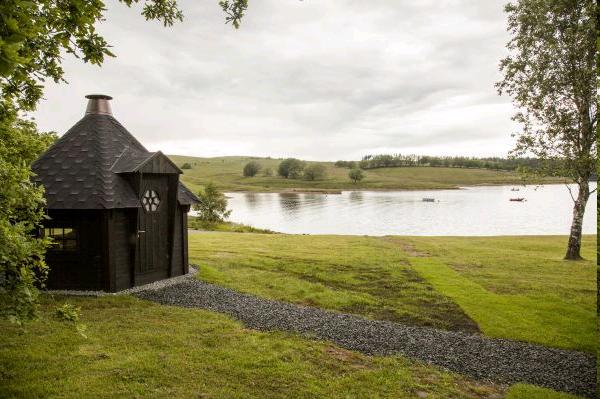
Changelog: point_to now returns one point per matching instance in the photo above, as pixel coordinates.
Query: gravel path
(498, 360)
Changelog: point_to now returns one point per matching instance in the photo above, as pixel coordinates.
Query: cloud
(313, 80)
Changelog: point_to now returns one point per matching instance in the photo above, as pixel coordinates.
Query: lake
(470, 211)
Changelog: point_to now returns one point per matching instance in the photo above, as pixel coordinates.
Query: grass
(226, 172)
(360, 275)
(522, 391)
(195, 224)
(136, 349)
(518, 288)
(508, 287)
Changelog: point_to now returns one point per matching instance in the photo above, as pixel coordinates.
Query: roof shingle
(82, 169)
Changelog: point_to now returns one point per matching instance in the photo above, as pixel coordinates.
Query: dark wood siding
(177, 258)
(82, 268)
(184, 239)
(124, 237)
(159, 164)
(154, 238)
(109, 248)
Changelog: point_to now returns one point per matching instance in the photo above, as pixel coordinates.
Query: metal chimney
(98, 104)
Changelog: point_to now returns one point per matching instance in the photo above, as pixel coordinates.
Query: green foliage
(356, 175)
(315, 172)
(345, 164)
(186, 165)
(291, 168)
(411, 160)
(22, 266)
(252, 168)
(213, 205)
(549, 73)
(67, 312)
(268, 172)
(234, 10)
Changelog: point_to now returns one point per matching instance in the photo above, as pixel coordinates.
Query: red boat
(518, 199)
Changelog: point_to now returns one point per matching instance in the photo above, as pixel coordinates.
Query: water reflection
(289, 202)
(472, 211)
(252, 200)
(356, 197)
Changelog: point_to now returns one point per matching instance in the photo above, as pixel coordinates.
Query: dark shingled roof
(84, 168)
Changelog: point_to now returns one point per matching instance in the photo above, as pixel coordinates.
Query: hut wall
(177, 257)
(122, 240)
(159, 164)
(75, 260)
(184, 240)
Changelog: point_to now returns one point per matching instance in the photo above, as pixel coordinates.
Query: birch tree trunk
(574, 246)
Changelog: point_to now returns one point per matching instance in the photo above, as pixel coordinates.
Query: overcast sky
(316, 80)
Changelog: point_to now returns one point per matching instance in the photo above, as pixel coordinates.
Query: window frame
(151, 201)
(65, 239)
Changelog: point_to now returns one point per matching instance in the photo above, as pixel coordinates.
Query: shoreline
(341, 190)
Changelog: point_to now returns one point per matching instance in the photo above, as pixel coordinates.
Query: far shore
(304, 190)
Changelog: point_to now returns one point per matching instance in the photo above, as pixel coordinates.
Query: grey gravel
(498, 360)
(150, 286)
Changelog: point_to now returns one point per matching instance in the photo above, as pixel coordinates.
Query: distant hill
(227, 173)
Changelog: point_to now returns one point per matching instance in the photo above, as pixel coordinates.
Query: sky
(315, 80)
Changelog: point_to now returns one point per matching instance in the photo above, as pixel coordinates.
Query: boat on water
(428, 199)
(517, 199)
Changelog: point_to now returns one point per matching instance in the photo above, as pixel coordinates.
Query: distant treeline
(399, 160)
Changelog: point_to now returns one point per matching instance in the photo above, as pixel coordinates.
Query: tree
(549, 73)
(213, 205)
(252, 168)
(290, 168)
(268, 172)
(34, 38)
(22, 266)
(186, 166)
(356, 175)
(315, 172)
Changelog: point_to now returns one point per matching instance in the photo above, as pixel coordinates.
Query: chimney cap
(98, 97)
(98, 104)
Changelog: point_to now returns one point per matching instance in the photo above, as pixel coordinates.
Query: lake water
(472, 211)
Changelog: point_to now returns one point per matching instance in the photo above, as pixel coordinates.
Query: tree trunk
(574, 247)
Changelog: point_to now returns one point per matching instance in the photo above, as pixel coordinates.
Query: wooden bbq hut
(118, 213)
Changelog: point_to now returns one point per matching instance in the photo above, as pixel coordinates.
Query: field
(508, 287)
(521, 288)
(226, 172)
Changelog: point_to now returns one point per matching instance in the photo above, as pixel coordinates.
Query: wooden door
(153, 228)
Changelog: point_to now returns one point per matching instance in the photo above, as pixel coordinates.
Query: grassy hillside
(226, 172)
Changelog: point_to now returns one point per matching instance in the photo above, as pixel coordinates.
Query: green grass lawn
(360, 275)
(517, 287)
(226, 172)
(138, 349)
(508, 287)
